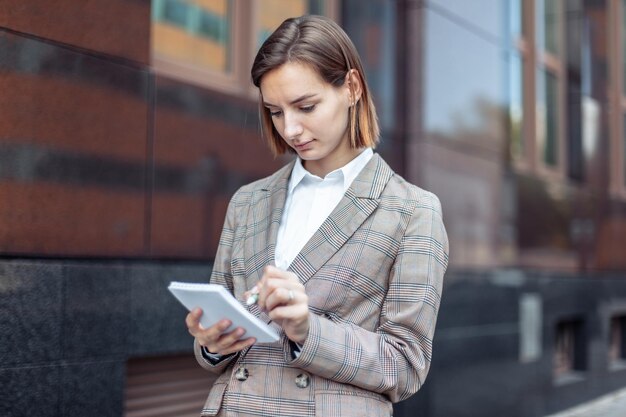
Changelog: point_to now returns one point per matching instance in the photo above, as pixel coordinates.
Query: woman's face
(311, 115)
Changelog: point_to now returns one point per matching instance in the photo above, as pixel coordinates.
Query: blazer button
(302, 381)
(242, 373)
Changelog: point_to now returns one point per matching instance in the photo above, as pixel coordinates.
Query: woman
(346, 257)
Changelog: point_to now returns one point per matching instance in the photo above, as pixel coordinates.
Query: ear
(354, 86)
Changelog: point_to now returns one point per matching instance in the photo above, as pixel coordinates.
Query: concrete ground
(610, 405)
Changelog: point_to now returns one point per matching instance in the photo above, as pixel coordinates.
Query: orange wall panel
(55, 219)
(114, 27)
(187, 226)
(66, 113)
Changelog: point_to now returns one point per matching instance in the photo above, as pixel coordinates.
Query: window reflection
(564, 349)
(515, 16)
(623, 30)
(547, 116)
(569, 349)
(516, 109)
(193, 32)
(213, 42)
(624, 150)
(617, 348)
(548, 26)
(273, 12)
(623, 36)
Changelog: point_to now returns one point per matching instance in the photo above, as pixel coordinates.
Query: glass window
(618, 76)
(564, 349)
(173, 12)
(624, 150)
(569, 349)
(547, 117)
(213, 42)
(617, 348)
(273, 12)
(623, 36)
(516, 105)
(515, 16)
(193, 32)
(548, 26)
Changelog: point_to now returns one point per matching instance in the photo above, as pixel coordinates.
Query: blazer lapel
(359, 201)
(264, 216)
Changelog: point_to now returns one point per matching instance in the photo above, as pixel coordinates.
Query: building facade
(126, 125)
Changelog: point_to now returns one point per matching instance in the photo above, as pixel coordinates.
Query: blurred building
(126, 125)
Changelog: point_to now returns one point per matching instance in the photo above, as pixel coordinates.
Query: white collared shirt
(310, 199)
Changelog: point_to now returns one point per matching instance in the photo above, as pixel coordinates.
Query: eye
(275, 113)
(308, 109)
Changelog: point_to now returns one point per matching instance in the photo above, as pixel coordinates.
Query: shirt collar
(348, 171)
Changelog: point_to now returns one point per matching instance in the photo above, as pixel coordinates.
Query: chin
(309, 157)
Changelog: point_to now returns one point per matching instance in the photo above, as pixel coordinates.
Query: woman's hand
(282, 295)
(214, 338)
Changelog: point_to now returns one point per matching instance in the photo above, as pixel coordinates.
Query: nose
(293, 128)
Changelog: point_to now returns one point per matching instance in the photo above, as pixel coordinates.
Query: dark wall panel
(30, 391)
(68, 329)
(30, 316)
(477, 366)
(92, 388)
(156, 322)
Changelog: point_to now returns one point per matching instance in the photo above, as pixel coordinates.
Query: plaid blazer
(373, 272)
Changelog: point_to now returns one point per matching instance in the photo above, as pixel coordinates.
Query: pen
(254, 297)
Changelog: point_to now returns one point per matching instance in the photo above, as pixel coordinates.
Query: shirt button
(302, 381)
(242, 373)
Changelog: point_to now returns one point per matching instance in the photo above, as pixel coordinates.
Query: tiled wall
(477, 366)
(80, 321)
(68, 328)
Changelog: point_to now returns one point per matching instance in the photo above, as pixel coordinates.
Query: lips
(303, 146)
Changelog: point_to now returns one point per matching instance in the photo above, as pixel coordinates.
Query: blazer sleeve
(393, 360)
(221, 274)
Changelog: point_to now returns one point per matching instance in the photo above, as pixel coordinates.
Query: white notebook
(216, 304)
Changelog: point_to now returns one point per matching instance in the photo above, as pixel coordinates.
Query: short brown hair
(319, 42)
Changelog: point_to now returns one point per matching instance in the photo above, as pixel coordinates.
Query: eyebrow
(296, 101)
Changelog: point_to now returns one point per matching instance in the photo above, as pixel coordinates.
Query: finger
(238, 346)
(193, 319)
(228, 340)
(271, 271)
(210, 335)
(286, 296)
(272, 284)
(268, 292)
(222, 341)
(217, 341)
(276, 292)
(289, 312)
